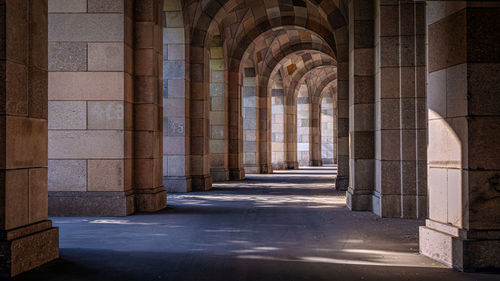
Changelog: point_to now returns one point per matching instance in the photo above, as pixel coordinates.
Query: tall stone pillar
(250, 121)
(463, 225)
(235, 124)
(342, 101)
(199, 114)
(400, 111)
(315, 132)
(27, 238)
(176, 160)
(264, 130)
(291, 162)
(91, 108)
(361, 105)
(150, 195)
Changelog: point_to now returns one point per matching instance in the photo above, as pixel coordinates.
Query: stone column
(250, 133)
(361, 105)
(335, 126)
(342, 101)
(291, 162)
(27, 239)
(199, 112)
(463, 225)
(315, 131)
(278, 124)
(235, 124)
(150, 195)
(90, 111)
(219, 138)
(176, 163)
(413, 134)
(264, 129)
(400, 111)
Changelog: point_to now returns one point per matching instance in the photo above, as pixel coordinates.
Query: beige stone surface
(109, 175)
(86, 86)
(104, 115)
(67, 175)
(67, 115)
(106, 57)
(86, 144)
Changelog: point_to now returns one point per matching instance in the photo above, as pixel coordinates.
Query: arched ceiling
(292, 37)
(244, 20)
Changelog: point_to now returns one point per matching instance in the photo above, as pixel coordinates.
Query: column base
(265, 169)
(237, 174)
(469, 251)
(291, 165)
(359, 202)
(150, 200)
(25, 248)
(177, 184)
(219, 174)
(316, 163)
(328, 161)
(341, 183)
(279, 166)
(91, 204)
(201, 183)
(251, 169)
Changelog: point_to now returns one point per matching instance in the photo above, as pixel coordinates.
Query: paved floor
(287, 226)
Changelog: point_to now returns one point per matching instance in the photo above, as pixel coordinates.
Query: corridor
(291, 225)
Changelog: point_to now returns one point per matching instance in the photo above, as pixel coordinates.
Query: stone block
(67, 6)
(106, 115)
(456, 91)
(70, 115)
(106, 57)
(15, 98)
(86, 86)
(67, 175)
(86, 27)
(176, 88)
(437, 186)
(90, 204)
(29, 251)
(174, 69)
(176, 52)
(175, 107)
(173, 36)
(172, 6)
(109, 175)
(25, 142)
(174, 145)
(174, 19)
(217, 132)
(16, 194)
(175, 127)
(38, 194)
(106, 6)
(86, 144)
(217, 146)
(67, 56)
(37, 93)
(177, 184)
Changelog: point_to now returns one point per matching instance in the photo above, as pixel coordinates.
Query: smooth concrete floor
(288, 226)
